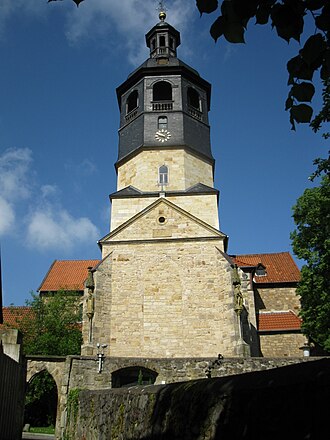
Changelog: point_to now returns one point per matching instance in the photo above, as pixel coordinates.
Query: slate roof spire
(163, 39)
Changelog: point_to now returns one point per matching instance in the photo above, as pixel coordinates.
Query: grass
(43, 430)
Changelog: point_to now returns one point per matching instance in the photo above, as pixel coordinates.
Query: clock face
(162, 135)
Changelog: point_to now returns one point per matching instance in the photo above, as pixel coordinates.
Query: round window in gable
(161, 220)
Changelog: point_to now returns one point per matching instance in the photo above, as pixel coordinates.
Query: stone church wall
(206, 208)
(279, 297)
(148, 304)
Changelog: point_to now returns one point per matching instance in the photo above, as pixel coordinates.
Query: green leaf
(232, 24)
(293, 126)
(218, 27)
(288, 103)
(206, 6)
(310, 241)
(288, 21)
(325, 72)
(313, 50)
(323, 20)
(298, 68)
(301, 113)
(234, 33)
(262, 14)
(314, 5)
(245, 9)
(303, 92)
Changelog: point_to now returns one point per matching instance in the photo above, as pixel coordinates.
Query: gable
(163, 220)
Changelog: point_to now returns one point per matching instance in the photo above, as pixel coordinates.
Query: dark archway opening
(193, 98)
(162, 91)
(130, 376)
(132, 101)
(41, 401)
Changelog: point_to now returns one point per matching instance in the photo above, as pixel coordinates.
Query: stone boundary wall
(81, 372)
(84, 369)
(288, 402)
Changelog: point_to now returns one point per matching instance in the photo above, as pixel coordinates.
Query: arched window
(162, 123)
(193, 99)
(131, 376)
(132, 101)
(162, 91)
(163, 175)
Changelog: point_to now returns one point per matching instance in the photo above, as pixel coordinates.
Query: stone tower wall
(185, 170)
(165, 299)
(205, 207)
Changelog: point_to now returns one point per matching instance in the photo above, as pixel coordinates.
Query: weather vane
(162, 10)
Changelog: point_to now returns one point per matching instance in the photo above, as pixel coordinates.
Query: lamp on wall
(100, 355)
(306, 348)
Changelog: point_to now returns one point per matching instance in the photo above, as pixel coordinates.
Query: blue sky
(60, 66)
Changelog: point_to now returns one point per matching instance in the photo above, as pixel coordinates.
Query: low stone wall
(84, 370)
(288, 402)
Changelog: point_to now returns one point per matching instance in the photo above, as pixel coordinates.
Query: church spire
(162, 11)
(163, 39)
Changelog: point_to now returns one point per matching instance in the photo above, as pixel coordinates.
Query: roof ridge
(16, 307)
(263, 253)
(269, 312)
(85, 259)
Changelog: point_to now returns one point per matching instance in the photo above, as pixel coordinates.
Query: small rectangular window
(162, 42)
(162, 122)
(163, 175)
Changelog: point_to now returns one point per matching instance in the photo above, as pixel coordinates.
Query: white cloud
(49, 225)
(57, 229)
(130, 19)
(48, 190)
(15, 183)
(7, 216)
(84, 168)
(121, 22)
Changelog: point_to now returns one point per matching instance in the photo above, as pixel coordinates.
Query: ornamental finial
(162, 11)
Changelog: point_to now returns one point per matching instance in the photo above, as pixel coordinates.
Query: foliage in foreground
(52, 327)
(288, 17)
(311, 242)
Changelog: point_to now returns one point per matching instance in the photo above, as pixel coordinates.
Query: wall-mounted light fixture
(100, 356)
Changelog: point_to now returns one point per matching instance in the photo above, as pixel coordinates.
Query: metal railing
(195, 113)
(162, 106)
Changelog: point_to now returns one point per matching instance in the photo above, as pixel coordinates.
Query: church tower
(165, 286)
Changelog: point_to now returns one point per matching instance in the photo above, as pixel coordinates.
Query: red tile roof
(67, 275)
(278, 321)
(13, 315)
(280, 267)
